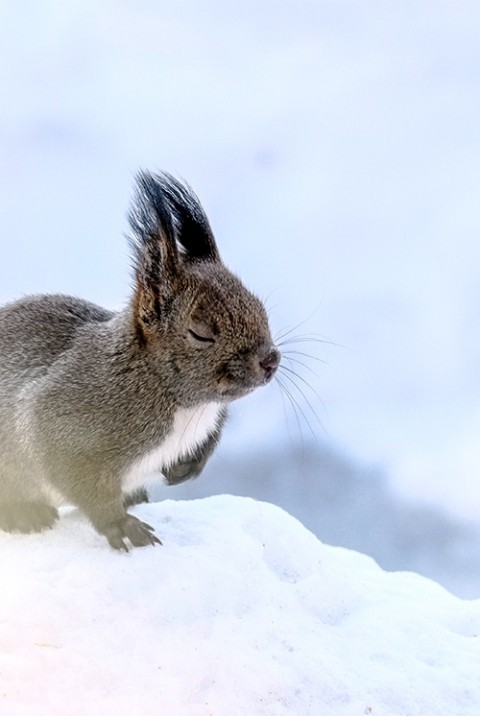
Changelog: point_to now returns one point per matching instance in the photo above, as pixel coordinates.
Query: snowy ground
(347, 505)
(242, 611)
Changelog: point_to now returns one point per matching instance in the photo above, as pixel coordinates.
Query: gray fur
(86, 393)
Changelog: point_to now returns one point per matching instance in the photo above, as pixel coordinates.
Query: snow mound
(242, 612)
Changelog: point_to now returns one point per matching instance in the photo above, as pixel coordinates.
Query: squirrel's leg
(135, 498)
(102, 502)
(19, 513)
(26, 516)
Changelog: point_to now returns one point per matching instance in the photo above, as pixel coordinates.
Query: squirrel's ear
(192, 228)
(155, 254)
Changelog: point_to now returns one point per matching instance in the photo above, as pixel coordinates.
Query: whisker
(291, 374)
(300, 377)
(308, 338)
(307, 402)
(269, 295)
(297, 409)
(303, 394)
(302, 363)
(280, 336)
(288, 355)
(285, 393)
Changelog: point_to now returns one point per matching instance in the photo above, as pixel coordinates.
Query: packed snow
(241, 611)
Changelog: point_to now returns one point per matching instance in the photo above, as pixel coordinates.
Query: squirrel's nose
(270, 363)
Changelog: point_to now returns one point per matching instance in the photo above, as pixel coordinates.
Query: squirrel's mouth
(234, 392)
(259, 372)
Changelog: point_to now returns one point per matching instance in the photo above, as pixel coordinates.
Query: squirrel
(92, 401)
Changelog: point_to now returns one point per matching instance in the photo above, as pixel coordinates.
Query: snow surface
(241, 612)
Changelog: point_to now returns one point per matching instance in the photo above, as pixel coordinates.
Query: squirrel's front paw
(130, 527)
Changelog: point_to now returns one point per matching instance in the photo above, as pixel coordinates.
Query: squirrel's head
(189, 310)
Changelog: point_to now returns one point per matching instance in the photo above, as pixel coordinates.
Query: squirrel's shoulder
(53, 308)
(45, 324)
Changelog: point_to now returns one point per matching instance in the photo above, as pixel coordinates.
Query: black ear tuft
(154, 248)
(151, 221)
(192, 227)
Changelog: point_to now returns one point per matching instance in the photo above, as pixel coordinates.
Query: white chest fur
(191, 427)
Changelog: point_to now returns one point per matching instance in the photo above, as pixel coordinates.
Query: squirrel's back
(37, 329)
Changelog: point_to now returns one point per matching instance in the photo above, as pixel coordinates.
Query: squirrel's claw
(149, 527)
(139, 533)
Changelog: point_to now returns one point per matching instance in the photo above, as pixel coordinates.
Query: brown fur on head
(187, 306)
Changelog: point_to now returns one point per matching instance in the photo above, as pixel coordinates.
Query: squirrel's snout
(241, 377)
(270, 363)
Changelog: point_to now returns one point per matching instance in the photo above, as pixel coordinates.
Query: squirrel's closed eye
(201, 333)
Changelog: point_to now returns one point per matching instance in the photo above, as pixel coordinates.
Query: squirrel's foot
(27, 516)
(135, 498)
(130, 527)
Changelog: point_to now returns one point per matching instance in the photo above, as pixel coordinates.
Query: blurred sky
(336, 147)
